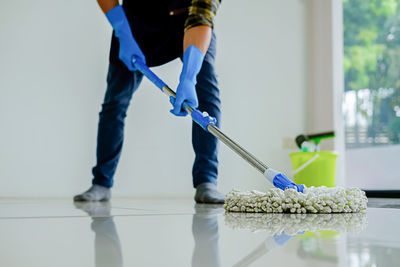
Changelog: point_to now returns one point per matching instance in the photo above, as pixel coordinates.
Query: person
(154, 33)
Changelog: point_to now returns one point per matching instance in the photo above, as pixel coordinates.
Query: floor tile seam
(87, 216)
(386, 207)
(123, 208)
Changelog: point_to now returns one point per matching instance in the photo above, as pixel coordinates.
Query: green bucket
(314, 168)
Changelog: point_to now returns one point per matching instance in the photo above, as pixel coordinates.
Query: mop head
(291, 224)
(312, 200)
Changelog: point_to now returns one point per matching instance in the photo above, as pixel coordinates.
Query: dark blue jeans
(121, 84)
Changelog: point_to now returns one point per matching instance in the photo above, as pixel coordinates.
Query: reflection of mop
(269, 244)
(292, 224)
(245, 202)
(311, 248)
(278, 241)
(282, 227)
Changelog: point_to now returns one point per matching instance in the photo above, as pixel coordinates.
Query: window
(371, 105)
(372, 72)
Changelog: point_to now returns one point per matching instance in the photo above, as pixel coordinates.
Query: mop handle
(210, 126)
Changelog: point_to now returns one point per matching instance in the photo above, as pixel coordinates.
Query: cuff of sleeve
(202, 12)
(198, 22)
(192, 62)
(115, 15)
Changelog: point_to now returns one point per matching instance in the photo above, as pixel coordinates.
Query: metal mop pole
(208, 124)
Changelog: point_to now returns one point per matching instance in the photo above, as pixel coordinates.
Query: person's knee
(114, 109)
(121, 85)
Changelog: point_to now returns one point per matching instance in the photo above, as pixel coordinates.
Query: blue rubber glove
(129, 50)
(186, 91)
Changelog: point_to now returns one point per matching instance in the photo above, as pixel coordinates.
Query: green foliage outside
(372, 61)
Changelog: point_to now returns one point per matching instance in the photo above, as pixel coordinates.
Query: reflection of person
(107, 246)
(205, 234)
(157, 32)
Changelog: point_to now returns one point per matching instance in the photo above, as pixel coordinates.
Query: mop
(311, 200)
(288, 196)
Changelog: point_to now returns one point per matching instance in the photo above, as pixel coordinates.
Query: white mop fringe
(291, 224)
(312, 200)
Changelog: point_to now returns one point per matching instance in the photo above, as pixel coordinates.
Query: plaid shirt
(202, 12)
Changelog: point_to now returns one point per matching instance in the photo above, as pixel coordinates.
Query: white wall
(325, 77)
(373, 168)
(52, 80)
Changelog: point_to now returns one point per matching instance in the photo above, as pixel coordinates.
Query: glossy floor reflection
(158, 232)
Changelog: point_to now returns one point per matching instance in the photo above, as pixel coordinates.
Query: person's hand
(129, 50)
(186, 91)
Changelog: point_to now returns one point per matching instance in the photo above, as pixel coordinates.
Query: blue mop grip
(149, 74)
(281, 181)
(201, 119)
(283, 238)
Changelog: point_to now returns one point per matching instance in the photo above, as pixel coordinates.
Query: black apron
(159, 35)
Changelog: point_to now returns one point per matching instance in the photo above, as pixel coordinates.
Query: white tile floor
(159, 232)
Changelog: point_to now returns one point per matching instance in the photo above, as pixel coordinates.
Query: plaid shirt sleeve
(202, 12)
